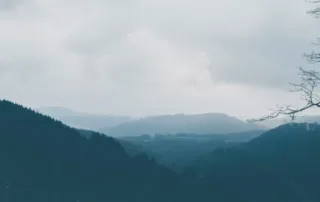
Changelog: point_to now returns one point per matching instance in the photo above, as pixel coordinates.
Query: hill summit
(209, 123)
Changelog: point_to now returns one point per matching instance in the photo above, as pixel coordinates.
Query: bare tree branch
(317, 43)
(313, 57)
(316, 11)
(310, 80)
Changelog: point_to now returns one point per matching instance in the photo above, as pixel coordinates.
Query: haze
(147, 57)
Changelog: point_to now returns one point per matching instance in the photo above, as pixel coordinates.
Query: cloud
(236, 36)
(159, 56)
(10, 4)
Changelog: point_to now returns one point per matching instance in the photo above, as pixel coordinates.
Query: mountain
(83, 120)
(171, 124)
(280, 165)
(44, 160)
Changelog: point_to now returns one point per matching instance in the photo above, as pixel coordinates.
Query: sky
(146, 57)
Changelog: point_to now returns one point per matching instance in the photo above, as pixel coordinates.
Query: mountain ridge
(207, 123)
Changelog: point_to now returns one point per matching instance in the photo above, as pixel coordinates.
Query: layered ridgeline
(45, 160)
(211, 123)
(281, 165)
(83, 120)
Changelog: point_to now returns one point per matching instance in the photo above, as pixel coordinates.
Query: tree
(309, 82)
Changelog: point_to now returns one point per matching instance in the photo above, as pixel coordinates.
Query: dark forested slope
(44, 160)
(281, 165)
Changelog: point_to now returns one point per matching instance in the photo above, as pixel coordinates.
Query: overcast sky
(142, 57)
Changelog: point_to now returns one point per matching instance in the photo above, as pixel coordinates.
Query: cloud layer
(144, 57)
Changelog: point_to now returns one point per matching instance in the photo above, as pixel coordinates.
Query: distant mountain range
(83, 120)
(118, 126)
(163, 124)
(172, 124)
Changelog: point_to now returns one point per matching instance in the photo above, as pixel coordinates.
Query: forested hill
(44, 160)
(280, 165)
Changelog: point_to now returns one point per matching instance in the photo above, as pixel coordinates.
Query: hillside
(211, 123)
(280, 165)
(45, 160)
(83, 120)
(179, 150)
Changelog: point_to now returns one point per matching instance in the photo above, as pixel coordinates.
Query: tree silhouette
(308, 88)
